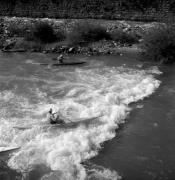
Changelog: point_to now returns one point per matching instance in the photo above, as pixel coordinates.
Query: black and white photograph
(87, 90)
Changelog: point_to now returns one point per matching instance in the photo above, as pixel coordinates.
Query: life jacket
(53, 119)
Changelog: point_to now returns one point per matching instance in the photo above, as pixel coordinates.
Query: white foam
(106, 91)
(99, 172)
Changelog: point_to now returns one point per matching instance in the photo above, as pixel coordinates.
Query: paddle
(81, 119)
(8, 150)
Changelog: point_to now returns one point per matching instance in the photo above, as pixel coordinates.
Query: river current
(106, 87)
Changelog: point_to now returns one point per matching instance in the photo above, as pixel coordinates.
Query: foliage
(43, 32)
(159, 44)
(141, 5)
(124, 37)
(60, 34)
(84, 32)
(110, 9)
(18, 29)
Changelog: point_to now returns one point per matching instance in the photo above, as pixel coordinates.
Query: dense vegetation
(44, 33)
(124, 37)
(36, 35)
(111, 9)
(84, 32)
(159, 44)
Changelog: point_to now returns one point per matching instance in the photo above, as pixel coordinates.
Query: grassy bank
(159, 45)
(67, 36)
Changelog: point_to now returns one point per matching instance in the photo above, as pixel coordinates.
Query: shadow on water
(8, 174)
(144, 146)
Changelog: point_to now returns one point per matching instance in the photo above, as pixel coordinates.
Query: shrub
(17, 29)
(14, 31)
(43, 32)
(84, 32)
(60, 35)
(159, 44)
(124, 37)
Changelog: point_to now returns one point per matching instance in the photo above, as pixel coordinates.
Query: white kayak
(70, 124)
(7, 150)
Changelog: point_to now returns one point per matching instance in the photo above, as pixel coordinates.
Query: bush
(124, 37)
(84, 32)
(43, 32)
(14, 31)
(159, 45)
(17, 29)
(60, 35)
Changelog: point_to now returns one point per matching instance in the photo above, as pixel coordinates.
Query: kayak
(64, 64)
(8, 150)
(13, 50)
(70, 124)
(68, 63)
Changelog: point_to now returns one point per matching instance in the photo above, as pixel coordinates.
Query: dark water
(143, 147)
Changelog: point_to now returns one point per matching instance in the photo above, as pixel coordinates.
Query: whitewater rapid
(76, 93)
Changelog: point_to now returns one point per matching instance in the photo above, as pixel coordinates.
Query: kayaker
(54, 118)
(60, 58)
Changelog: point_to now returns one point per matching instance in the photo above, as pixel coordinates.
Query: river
(144, 147)
(133, 138)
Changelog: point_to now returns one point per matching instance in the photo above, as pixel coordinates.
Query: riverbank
(14, 31)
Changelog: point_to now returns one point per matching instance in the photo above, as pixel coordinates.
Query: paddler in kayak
(60, 59)
(54, 118)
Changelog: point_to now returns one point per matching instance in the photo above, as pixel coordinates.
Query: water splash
(81, 93)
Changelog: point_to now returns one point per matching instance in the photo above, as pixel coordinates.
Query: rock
(65, 47)
(59, 50)
(71, 50)
(34, 50)
(9, 44)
